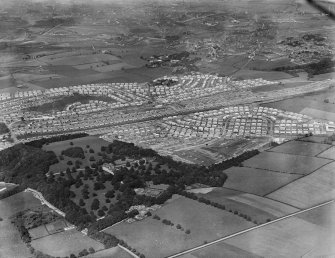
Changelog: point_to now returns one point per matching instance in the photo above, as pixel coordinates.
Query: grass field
(328, 154)
(301, 148)
(257, 208)
(17, 202)
(309, 190)
(285, 163)
(253, 74)
(112, 67)
(65, 243)
(292, 237)
(312, 100)
(310, 234)
(275, 208)
(38, 232)
(11, 244)
(320, 114)
(256, 181)
(77, 59)
(221, 250)
(154, 239)
(114, 252)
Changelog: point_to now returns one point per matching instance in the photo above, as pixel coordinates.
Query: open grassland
(17, 202)
(69, 59)
(328, 154)
(221, 250)
(320, 114)
(322, 216)
(38, 232)
(65, 243)
(285, 163)
(155, 239)
(256, 181)
(273, 207)
(309, 234)
(312, 101)
(309, 190)
(253, 74)
(112, 67)
(292, 237)
(114, 252)
(301, 148)
(259, 209)
(11, 244)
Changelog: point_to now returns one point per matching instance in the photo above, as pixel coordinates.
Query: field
(114, 252)
(154, 239)
(301, 148)
(221, 250)
(256, 181)
(309, 102)
(10, 241)
(310, 190)
(285, 163)
(69, 59)
(11, 244)
(288, 238)
(65, 243)
(260, 209)
(328, 154)
(271, 76)
(309, 234)
(17, 202)
(321, 114)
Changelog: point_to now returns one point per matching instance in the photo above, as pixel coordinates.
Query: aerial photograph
(167, 128)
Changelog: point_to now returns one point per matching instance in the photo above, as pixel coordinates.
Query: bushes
(74, 152)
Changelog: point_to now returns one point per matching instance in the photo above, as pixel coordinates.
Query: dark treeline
(11, 192)
(325, 65)
(39, 143)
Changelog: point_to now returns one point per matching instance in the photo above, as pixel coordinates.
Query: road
(248, 230)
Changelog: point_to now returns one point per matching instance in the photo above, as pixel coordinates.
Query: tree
(101, 213)
(110, 194)
(83, 252)
(95, 204)
(133, 213)
(91, 250)
(81, 202)
(188, 231)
